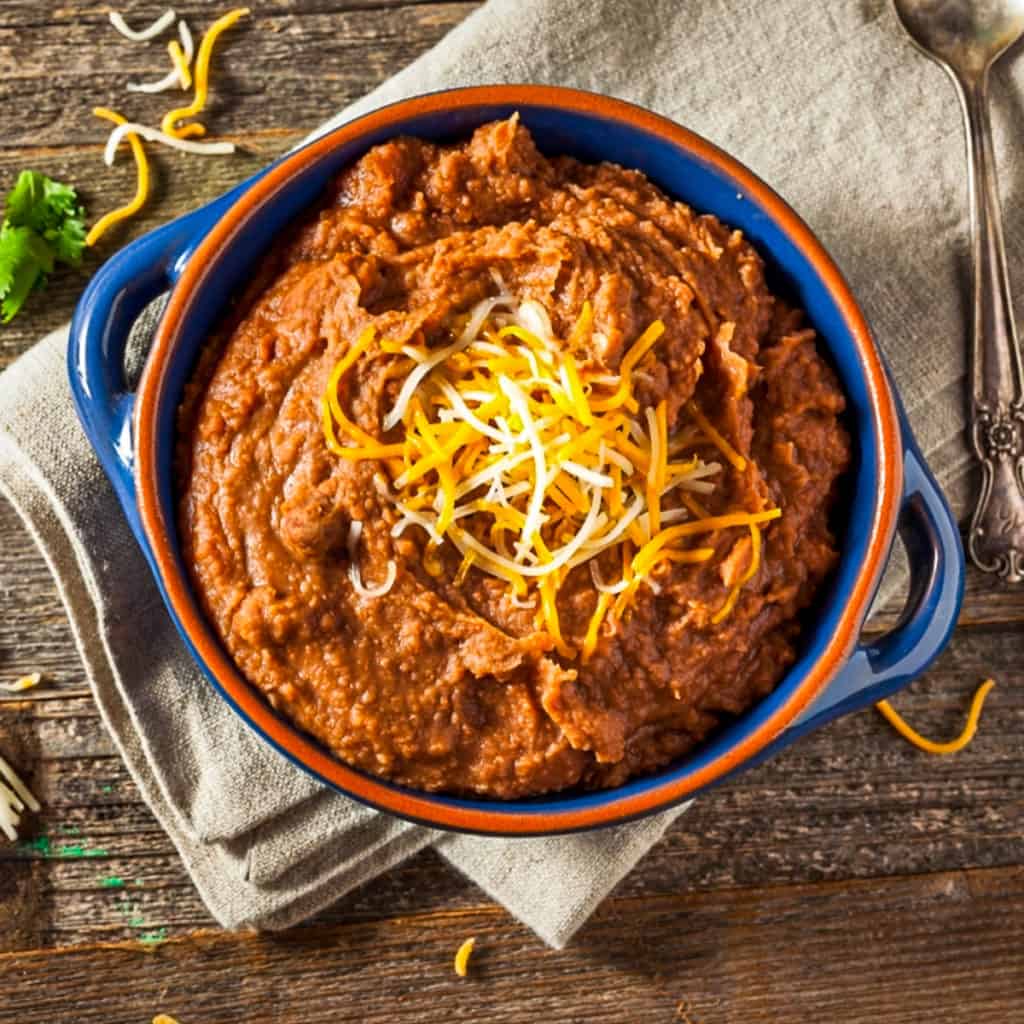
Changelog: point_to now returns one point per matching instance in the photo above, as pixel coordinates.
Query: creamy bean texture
(446, 682)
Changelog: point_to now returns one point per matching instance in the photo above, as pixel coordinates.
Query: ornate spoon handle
(996, 541)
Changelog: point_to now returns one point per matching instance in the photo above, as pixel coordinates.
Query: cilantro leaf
(23, 199)
(20, 267)
(43, 225)
(68, 241)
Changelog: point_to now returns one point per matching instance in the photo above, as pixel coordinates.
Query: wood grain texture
(851, 879)
(850, 801)
(942, 948)
(57, 62)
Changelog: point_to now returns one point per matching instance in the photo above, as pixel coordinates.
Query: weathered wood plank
(829, 884)
(945, 947)
(852, 801)
(56, 64)
(34, 631)
(262, 71)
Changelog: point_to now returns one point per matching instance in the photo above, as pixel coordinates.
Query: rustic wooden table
(851, 879)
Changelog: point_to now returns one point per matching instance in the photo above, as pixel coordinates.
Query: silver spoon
(965, 38)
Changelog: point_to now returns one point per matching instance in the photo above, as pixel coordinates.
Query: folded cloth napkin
(830, 104)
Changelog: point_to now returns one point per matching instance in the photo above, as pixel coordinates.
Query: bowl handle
(882, 665)
(102, 323)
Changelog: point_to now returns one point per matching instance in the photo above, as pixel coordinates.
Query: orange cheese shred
(108, 220)
(169, 124)
(604, 602)
(748, 575)
(892, 716)
(738, 462)
(462, 956)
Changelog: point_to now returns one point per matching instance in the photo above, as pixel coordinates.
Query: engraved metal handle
(996, 539)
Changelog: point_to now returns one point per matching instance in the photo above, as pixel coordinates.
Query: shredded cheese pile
(14, 798)
(531, 461)
(171, 134)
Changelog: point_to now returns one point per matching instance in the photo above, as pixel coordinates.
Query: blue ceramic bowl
(206, 256)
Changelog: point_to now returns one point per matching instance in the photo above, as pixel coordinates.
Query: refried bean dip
(491, 363)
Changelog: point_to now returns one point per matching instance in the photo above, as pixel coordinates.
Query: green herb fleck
(43, 225)
(75, 850)
(107, 789)
(112, 882)
(70, 830)
(41, 844)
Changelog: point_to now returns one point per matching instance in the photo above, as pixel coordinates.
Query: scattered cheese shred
(893, 717)
(169, 81)
(24, 683)
(142, 35)
(180, 62)
(169, 124)
(108, 220)
(462, 957)
(181, 58)
(531, 462)
(14, 798)
(152, 135)
(162, 1018)
(187, 43)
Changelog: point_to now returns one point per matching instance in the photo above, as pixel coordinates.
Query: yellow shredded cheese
(22, 684)
(738, 462)
(462, 956)
(748, 575)
(623, 393)
(108, 220)
(531, 462)
(169, 124)
(893, 717)
(604, 602)
(180, 63)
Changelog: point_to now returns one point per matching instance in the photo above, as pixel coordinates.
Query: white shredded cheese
(143, 35)
(169, 81)
(153, 135)
(468, 336)
(172, 78)
(595, 576)
(14, 798)
(355, 531)
(187, 45)
(534, 317)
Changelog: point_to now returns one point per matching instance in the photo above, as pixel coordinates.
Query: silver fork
(965, 38)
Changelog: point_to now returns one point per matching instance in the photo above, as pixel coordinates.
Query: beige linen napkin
(830, 105)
